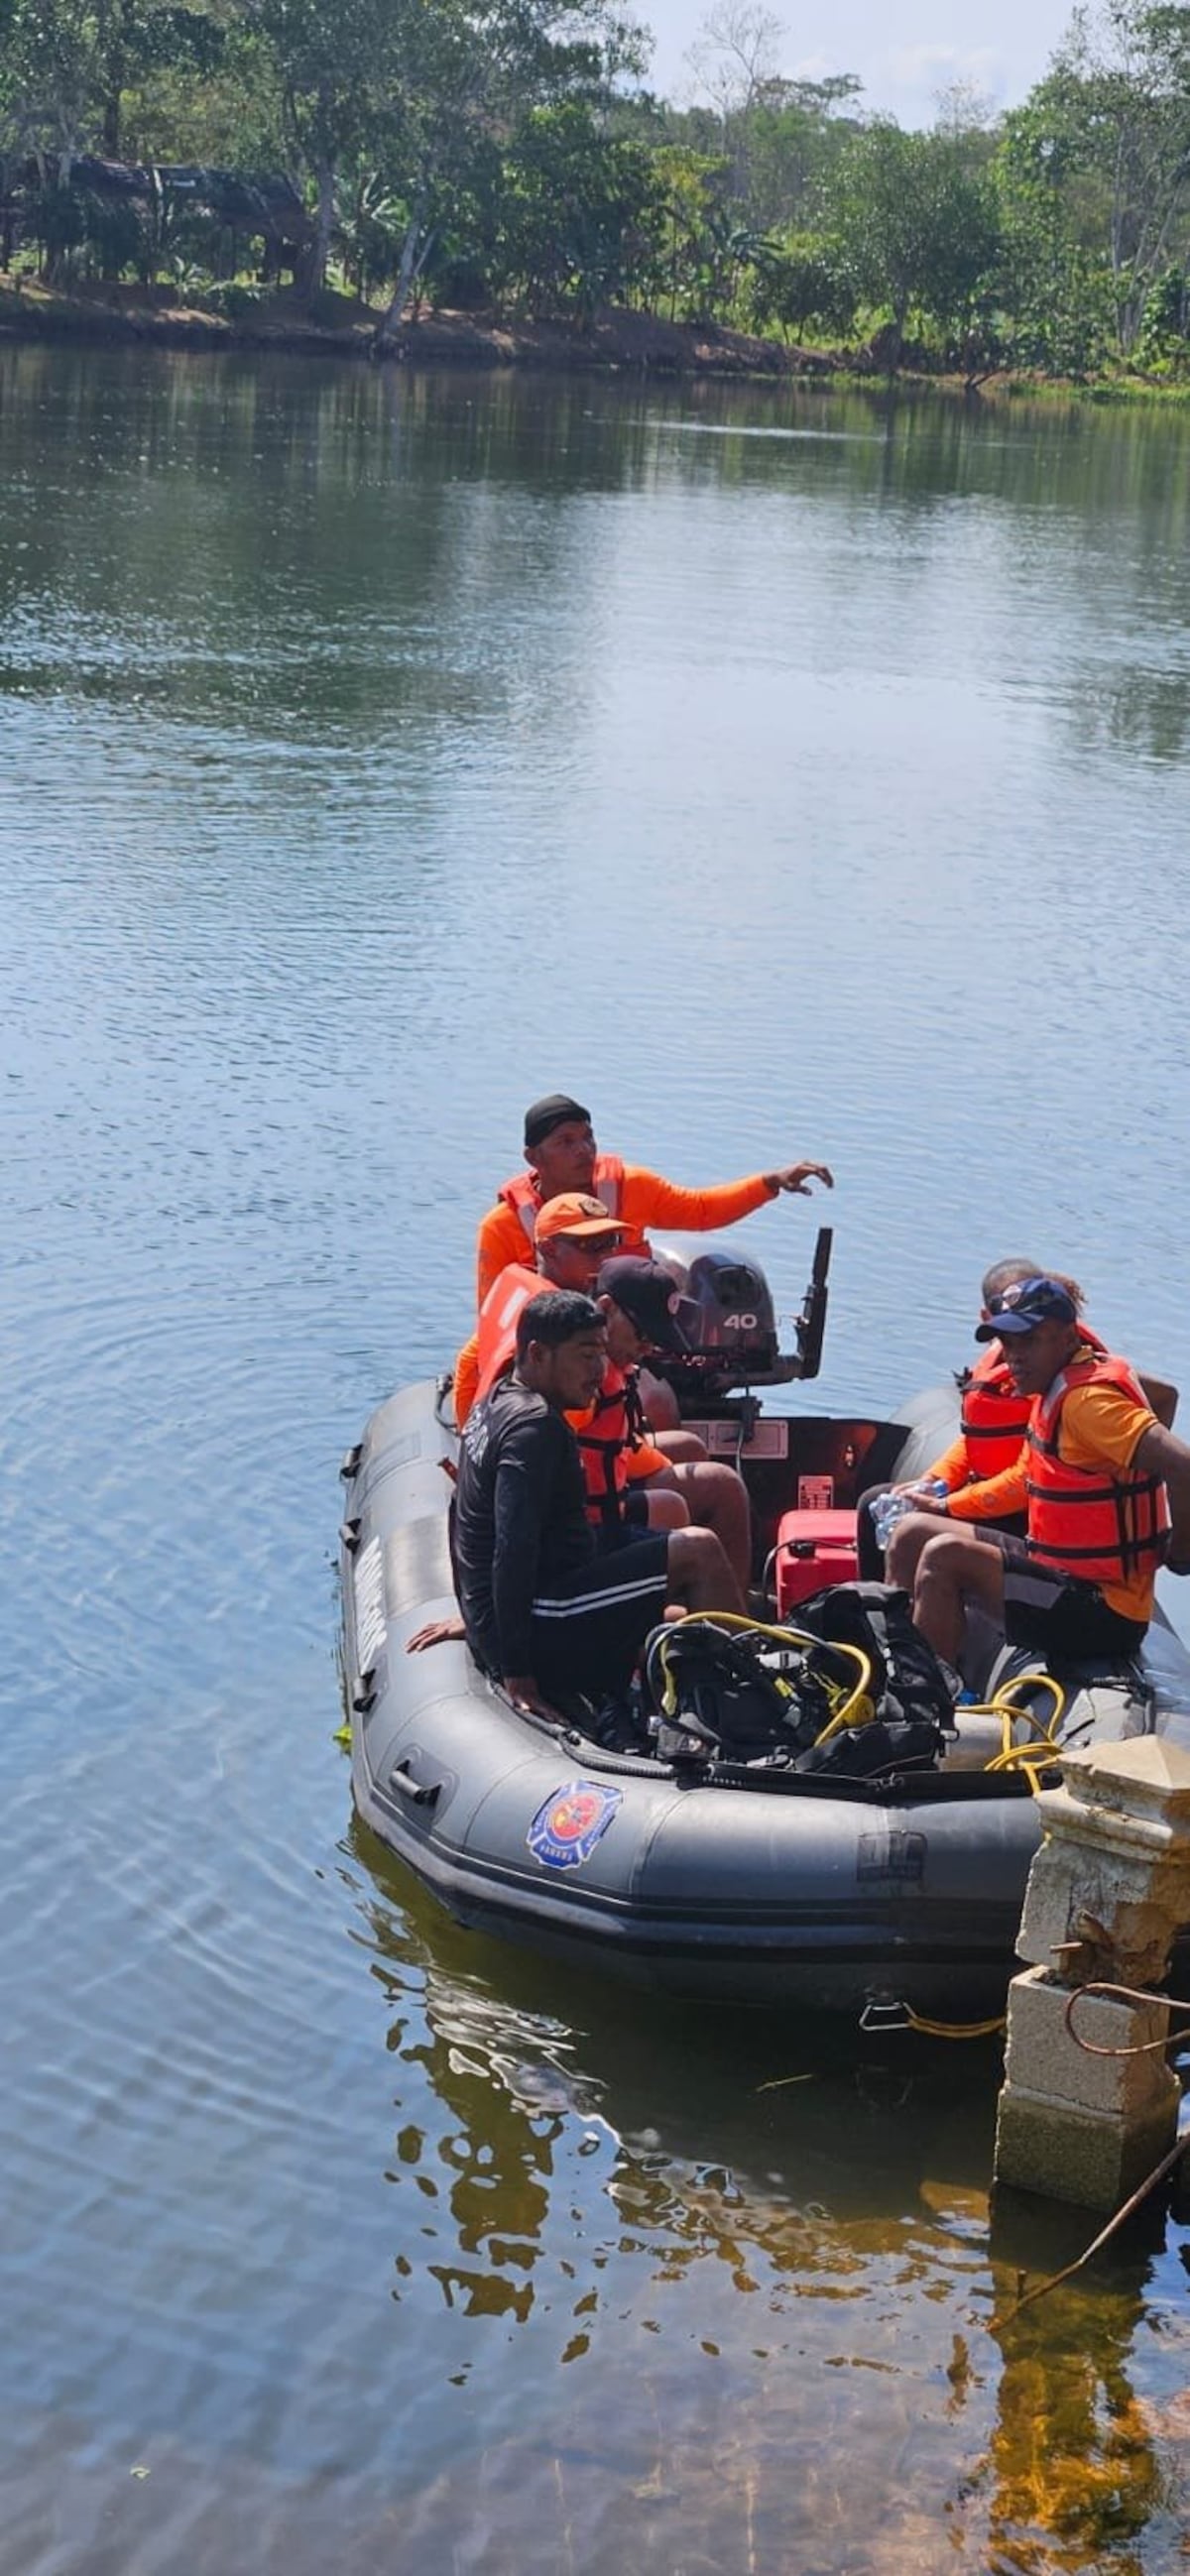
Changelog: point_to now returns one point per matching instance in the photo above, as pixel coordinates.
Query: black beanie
(545, 1115)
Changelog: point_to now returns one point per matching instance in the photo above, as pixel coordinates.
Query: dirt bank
(614, 342)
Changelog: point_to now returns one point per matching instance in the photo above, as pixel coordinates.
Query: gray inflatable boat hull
(825, 1896)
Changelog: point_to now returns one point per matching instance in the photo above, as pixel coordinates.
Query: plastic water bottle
(888, 1509)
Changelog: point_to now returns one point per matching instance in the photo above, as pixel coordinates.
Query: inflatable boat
(748, 1882)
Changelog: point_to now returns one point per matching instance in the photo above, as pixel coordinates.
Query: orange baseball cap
(573, 1213)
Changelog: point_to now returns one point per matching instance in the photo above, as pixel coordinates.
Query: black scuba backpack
(735, 1695)
(709, 1685)
(908, 1681)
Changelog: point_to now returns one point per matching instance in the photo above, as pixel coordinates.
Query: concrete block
(1053, 1895)
(1145, 1771)
(1126, 1941)
(1129, 1901)
(1042, 2058)
(1084, 2156)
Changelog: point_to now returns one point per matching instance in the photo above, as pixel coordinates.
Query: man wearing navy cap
(1108, 1502)
(624, 1461)
(562, 1155)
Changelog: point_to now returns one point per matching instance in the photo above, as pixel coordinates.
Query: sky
(903, 50)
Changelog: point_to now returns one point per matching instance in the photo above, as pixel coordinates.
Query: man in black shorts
(1108, 1493)
(543, 1613)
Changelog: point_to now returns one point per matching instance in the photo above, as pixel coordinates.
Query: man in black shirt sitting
(543, 1613)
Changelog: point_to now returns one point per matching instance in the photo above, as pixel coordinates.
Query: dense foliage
(503, 154)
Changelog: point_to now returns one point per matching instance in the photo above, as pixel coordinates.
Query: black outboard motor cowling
(727, 1316)
(735, 1314)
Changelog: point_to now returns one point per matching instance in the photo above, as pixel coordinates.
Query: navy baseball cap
(1025, 1303)
(646, 1294)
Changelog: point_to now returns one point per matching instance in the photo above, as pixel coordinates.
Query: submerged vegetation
(503, 159)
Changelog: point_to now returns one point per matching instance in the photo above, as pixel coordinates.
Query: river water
(785, 777)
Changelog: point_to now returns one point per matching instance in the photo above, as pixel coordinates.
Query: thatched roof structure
(247, 201)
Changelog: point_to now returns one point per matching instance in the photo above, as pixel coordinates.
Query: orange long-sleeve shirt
(1100, 1427)
(646, 1199)
(997, 1498)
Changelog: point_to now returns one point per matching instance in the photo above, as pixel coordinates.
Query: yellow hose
(1003, 1704)
(858, 1707)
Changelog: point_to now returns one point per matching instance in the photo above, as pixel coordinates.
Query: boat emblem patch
(565, 1831)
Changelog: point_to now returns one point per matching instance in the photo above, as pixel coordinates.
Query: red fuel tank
(813, 1550)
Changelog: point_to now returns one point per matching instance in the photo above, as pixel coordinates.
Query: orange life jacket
(1102, 1524)
(995, 1416)
(498, 1322)
(614, 1424)
(607, 1184)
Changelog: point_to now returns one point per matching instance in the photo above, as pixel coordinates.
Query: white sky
(903, 50)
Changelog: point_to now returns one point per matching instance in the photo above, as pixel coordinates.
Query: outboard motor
(734, 1319)
(727, 1316)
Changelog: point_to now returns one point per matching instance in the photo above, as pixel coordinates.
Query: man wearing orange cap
(563, 1157)
(573, 1236)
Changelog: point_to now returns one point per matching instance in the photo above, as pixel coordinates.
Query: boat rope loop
(876, 2018)
(889, 2016)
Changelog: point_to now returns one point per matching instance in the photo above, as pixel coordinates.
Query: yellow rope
(953, 2029)
(1030, 1757)
(878, 2019)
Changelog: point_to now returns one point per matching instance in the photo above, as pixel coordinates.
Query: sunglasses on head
(1006, 1298)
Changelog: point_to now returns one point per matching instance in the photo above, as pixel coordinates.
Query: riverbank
(616, 341)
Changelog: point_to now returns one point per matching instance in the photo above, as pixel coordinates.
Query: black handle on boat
(350, 1467)
(349, 1534)
(810, 1325)
(420, 1793)
(363, 1696)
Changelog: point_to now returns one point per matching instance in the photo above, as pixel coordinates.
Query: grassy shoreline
(615, 342)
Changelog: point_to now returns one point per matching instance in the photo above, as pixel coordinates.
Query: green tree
(575, 207)
(779, 138)
(681, 240)
(66, 66)
(1164, 339)
(49, 80)
(336, 67)
(466, 69)
(1054, 287)
(1117, 104)
(915, 225)
(797, 281)
(788, 146)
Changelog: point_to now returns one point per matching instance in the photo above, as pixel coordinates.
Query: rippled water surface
(377, 753)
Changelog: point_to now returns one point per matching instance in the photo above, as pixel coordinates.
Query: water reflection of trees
(325, 554)
(341, 558)
(1071, 2476)
(850, 2164)
(587, 2154)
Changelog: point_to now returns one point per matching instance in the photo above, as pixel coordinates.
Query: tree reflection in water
(1071, 2475)
(608, 2175)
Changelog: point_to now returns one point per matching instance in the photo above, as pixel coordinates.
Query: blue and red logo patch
(564, 1832)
